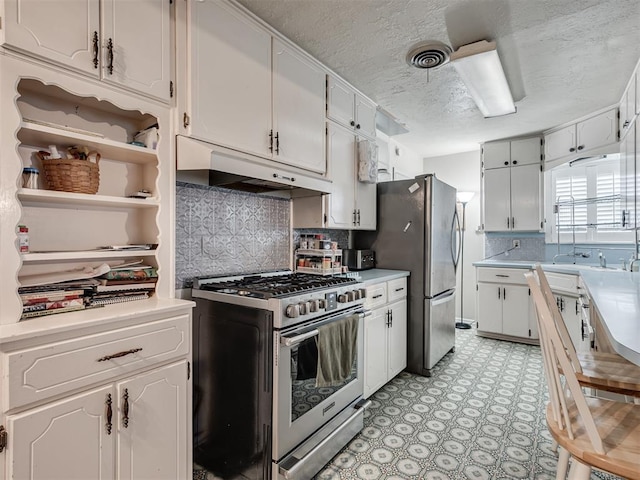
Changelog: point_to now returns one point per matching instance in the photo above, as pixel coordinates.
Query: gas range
(292, 297)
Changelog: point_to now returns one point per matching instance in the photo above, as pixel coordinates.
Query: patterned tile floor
(480, 416)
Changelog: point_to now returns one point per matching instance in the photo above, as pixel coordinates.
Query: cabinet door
(365, 116)
(230, 78)
(628, 178)
(637, 93)
(365, 203)
(489, 307)
(560, 143)
(375, 351)
(397, 344)
(627, 108)
(298, 109)
(525, 151)
(340, 102)
(152, 441)
(597, 131)
(140, 33)
(341, 154)
(496, 154)
(515, 318)
(533, 319)
(571, 317)
(497, 202)
(67, 34)
(525, 198)
(65, 439)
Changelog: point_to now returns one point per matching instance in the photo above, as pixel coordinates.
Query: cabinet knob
(358, 126)
(572, 149)
(506, 163)
(580, 147)
(352, 123)
(515, 162)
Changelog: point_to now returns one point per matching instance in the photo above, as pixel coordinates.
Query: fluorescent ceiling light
(479, 67)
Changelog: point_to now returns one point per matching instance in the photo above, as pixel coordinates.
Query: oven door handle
(291, 341)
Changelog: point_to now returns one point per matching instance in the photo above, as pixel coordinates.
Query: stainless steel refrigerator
(418, 230)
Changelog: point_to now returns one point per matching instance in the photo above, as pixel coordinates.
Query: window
(584, 199)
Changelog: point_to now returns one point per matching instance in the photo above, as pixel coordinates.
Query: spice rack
(318, 262)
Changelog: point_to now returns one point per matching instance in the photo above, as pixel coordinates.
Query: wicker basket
(70, 175)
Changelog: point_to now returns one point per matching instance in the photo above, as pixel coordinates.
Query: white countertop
(616, 296)
(377, 275)
(614, 293)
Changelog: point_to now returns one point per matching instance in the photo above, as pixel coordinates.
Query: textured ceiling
(563, 58)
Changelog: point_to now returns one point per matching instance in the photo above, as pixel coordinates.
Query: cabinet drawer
(397, 289)
(563, 283)
(376, 295)
(502, 275)
(55, 368)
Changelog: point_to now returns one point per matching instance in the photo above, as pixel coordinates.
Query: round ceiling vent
(429, 54)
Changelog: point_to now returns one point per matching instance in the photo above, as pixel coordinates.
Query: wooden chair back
(564, 389)
(557, 318)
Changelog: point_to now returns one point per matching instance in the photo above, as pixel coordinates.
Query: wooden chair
(601, 371)
(595, 432)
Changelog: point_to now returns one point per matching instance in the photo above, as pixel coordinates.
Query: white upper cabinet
(512, 199)
(298, 109)
(124, 43)
(229, 81)
(583, 138)
(628, 106)
(347, 107)
(502, 154)
(136, 39)
(37, 28)
(250, 91)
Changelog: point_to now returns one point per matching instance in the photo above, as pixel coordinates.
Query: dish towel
(337, 349)
(367, 161)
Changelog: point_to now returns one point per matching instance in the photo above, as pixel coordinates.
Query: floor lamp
(463, 198)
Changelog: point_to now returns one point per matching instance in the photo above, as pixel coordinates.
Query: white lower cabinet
(141, 422)
(566, 292)
(501, 295)
(67, 439)
(125, 415)
(385, 333)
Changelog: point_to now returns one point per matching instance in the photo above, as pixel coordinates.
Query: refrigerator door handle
(456, 239)
(443, 297)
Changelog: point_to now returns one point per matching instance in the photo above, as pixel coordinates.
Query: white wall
(462, 171)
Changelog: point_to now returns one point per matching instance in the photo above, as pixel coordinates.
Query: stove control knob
(303, 307)
(357, 295)
(313, 305)
(322, 303)
(292, 311)
(342, 298)
(351, 296)
(363, 293)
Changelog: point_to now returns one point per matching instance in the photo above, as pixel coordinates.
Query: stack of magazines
(124, 284)
(41, 300)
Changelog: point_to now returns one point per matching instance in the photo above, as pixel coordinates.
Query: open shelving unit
(68, 230)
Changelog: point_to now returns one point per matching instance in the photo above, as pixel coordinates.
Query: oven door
(300, 407)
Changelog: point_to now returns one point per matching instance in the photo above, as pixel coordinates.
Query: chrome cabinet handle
(95, 49)
(277, 143)
(119, 354)
(110, 56)
(271, 140)
(109, 414)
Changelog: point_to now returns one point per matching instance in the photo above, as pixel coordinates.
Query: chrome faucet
(602, 259)
(574, 255)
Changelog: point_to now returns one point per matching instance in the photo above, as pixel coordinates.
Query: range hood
(214, 165)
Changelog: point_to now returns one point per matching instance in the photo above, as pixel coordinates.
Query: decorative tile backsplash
(220, 231)
(499, 247)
